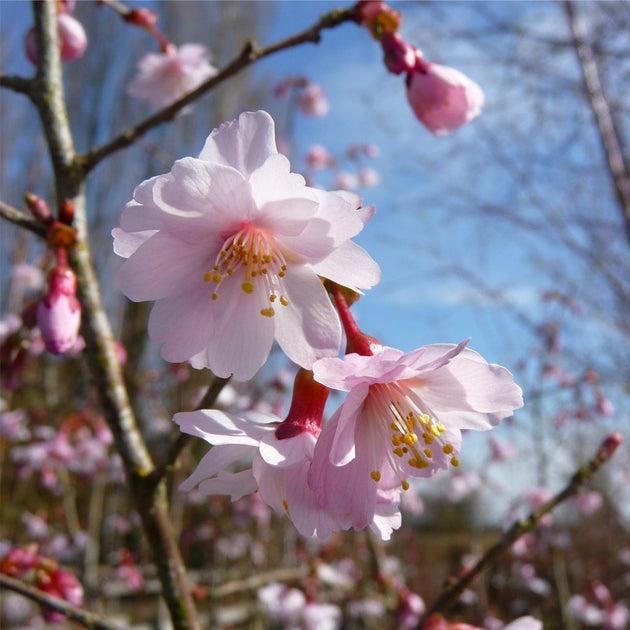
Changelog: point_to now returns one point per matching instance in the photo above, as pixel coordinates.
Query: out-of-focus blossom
(346, 181)
(28, 277)
(344, 574)
(410, 607)
(588, 501)
(231, 246)
(378, 17)
(35, 527)
(167, 76)
(368, 177)
(59, 311)
(312, 101)
(9, 324)
(368, 608)
(412, 503)
(442, 98)
(462, 485)
(281, 603)
(72, 39)
(501, 451)
(14, 426)
(525, 623)
(318, 158)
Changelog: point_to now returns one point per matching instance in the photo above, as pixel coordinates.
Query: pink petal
(308, 328)
(289, 452)
(184, 324)
(342, 450)
(162, 267)
(126, 243)
(234, 485)
(243, 337)
(350, 266)
(244, 143)
(214, 461)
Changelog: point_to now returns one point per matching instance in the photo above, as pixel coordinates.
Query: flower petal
(244, 143)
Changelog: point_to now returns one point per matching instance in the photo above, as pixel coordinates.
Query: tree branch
(583, 475)
(13, 215)
(597, 99)
(248, 56)
(101, 352)
(85, 618)
(16, 83)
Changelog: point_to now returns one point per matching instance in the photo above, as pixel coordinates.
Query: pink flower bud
(609, 446)
(59, 311)
(72, 39)
(442, 98)
(399, 55)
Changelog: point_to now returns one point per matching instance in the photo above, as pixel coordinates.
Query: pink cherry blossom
(231, 244)
(59, 312)
(442, 98)
(319, 158)
(402, 417)
(167, 76)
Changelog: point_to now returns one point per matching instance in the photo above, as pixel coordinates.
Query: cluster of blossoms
(233, 248)
(46, 574)
(442, 98)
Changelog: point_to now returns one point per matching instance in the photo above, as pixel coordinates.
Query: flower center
(413, 434)
(251, 251)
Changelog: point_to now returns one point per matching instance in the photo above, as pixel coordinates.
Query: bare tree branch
(248, 56)
(582, 476)
(16, 83)
(85, 618)
(608, 134)
(13, 215)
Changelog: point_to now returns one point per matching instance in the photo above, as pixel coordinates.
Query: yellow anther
(248, 287)
(281, 274)
(207, 277)
(398, 451)
(405, 449)
(285, 505)
(455, 461)
(428, 452)
(215, 296)
(376, 475)
(216, 278)
(272, 297)
(267, 312)
(424, 418)
(441, 427)
(393, 426)
(405, 485)
(433, 429)
(428, 438)
(263, 271)
(410, 438)
(229, 271)
(448, 449)
(284, 301)
(396, 440)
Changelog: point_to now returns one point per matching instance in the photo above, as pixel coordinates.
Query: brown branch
(17, 217)
(599, 104)
(583, 475)
(248, 56)
(85, 618)
(101, 353)
(16, 83)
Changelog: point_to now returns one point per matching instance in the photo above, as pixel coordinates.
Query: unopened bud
(59, 311)
(377, 17)
(399, 56)
(61, 236)
(609, 446)
(72, 39)
(145, 18)
(39, 208)
(66, 211)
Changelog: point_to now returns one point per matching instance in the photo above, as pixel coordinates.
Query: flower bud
(442, 98)
(39, 208)
(59, 311)
(72, 39)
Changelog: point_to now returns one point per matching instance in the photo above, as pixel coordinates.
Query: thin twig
(583, 474)
(609, 136)
(183, 439)
(13, 215)
(16, 83)
(84, 617)
(248, 56)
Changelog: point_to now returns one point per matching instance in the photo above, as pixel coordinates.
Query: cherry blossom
(167, 76)
(442, 98)
(231, 244)
(72, 39)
